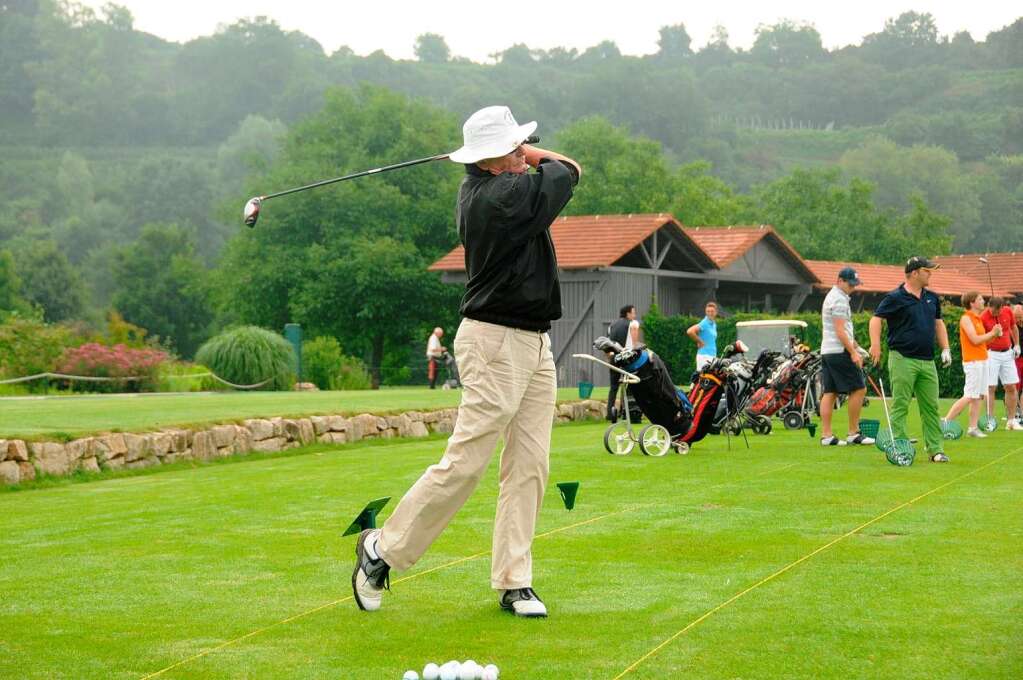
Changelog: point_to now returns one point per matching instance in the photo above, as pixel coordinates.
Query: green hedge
(666, 335)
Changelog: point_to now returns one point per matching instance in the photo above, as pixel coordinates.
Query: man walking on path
(434, 353)
(624, 331)
(705, 335)
(1001, 360)
(842, 371)
(973, 339)
(914, 321)
(504, 214)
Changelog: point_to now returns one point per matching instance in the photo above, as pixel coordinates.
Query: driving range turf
(777, 561)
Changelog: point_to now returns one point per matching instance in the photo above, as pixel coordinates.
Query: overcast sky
(478, 28)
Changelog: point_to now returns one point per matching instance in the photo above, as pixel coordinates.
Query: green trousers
(915, 377)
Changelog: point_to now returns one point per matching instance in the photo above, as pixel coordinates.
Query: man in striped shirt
(842, 365)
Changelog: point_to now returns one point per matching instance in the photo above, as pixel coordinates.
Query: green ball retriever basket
(951, 429)
(869, 428)
(898, 452)
(987, 424)
(585, 389)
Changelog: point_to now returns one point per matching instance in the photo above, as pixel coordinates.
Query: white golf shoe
(372, 575)
(523, 602)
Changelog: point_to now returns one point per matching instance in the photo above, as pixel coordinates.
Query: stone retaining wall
(23, 461)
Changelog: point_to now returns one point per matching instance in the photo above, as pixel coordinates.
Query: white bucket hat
(490, 133)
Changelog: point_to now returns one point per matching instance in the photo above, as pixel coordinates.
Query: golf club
(252, 207)
(989, 279)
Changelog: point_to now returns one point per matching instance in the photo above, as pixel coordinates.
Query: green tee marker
(568, 491)
(367, 519)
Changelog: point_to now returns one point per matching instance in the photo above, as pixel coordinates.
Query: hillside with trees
(127, 158)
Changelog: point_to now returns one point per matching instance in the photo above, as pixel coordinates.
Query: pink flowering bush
(101, 361)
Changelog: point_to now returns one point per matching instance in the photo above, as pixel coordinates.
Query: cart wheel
(762, 425)
(733, 427)
(681, 448)
(793, 420)
(654, 440)
(618, 439)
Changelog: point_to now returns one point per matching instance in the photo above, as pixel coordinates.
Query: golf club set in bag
(677, 419)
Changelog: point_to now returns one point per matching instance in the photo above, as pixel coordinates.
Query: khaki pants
(509, 389)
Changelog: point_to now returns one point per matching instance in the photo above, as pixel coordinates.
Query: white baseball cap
(490, 133)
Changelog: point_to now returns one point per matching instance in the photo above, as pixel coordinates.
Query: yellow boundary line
(695, 622)
(453, 563)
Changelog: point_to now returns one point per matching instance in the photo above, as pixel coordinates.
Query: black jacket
(504, 223)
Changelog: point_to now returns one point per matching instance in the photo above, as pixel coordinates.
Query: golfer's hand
(857, 359)
(946, 357)
(1015, 351)
(998, 330)
(875, 354)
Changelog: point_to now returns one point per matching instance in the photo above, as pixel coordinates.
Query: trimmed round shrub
(249, 355)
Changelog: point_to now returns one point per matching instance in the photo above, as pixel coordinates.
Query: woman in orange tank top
(973, 341)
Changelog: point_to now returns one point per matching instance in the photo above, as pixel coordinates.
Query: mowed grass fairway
(786, 560)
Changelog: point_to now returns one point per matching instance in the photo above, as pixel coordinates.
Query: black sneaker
(371, 576)
(523, 602)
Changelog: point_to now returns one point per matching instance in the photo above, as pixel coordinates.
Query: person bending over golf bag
(504, 213)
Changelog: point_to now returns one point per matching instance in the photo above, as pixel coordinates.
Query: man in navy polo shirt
(914, 321)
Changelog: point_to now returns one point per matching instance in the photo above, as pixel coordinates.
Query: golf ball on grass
(449, 671)
(490, 672)
(431, 671)
(410, 675)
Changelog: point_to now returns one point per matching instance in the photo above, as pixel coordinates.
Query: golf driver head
(251, 213)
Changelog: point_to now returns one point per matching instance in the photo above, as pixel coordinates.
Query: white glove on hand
(946, 358)
(1015, 351)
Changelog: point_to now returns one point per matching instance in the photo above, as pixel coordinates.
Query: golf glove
(946, 358)
(1015, 351)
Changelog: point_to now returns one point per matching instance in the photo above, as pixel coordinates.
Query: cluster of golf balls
(453, 670)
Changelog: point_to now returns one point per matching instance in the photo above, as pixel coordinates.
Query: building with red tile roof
(607, 261)
(1002, 272)
(878, 279)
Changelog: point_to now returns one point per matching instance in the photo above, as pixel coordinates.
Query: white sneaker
(1014, 425)
(974, 432)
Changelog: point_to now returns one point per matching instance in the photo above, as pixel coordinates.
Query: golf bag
(655, 394)
(686, 418)
(451, 365)
(786, 388)
(706, 395)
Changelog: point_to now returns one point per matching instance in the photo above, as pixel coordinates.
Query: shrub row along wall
(24, 461)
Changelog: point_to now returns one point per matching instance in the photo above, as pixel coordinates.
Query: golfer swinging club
(504, 214)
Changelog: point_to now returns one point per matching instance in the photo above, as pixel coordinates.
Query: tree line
(127, 159)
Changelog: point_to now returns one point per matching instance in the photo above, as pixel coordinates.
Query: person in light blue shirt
(705, 335)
